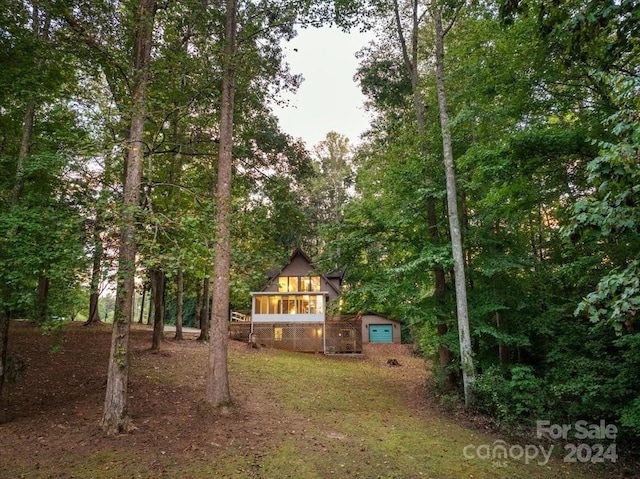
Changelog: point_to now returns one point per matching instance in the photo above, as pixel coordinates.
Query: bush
(510, 394)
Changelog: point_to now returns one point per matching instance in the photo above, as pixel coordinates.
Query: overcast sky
(328, 99)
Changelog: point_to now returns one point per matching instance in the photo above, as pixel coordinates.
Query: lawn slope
(296, 416)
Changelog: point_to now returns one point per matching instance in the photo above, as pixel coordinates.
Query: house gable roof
(273, 273)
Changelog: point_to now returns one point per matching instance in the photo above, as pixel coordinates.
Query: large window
(293, 284)
(289, 304)
(310, 283)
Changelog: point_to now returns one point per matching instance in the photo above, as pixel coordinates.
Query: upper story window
(294, 284)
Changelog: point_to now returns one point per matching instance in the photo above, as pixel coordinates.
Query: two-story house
(298, 309)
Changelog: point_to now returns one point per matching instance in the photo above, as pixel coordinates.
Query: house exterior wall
(372, 319)
(300, 267)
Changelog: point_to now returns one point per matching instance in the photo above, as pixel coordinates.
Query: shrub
(510, 394)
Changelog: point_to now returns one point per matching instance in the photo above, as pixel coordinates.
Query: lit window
(277, 334)
(310, 283)
(261, 304)
(274, 304)
(287, 305)
(303, 304)
(288, 284)
(315, 304)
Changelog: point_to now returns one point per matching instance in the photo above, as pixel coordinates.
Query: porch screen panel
(292, 307)
(289, 304)
(261, 304)
(315, 304)
(303, 304)
(274, 304)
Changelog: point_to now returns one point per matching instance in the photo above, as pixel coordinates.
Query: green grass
(352, 422)
(300, 416)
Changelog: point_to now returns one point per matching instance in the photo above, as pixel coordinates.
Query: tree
(466, 359)
(179, 305)
(328, 189)
(410, 55)
(114, 418)
(609, 216)
(217, 389)
(41, 235)
(158, 278)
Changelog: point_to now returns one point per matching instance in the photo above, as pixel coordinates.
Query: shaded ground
(49, 417)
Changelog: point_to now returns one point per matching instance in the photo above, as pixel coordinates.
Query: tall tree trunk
(179, 304)
(144, 297)
(96, 271)
(466, 358)
(18, 188)
(25, 148)
(204, 312)
(5, 321)
(115, 418)
(42, 303)
(158, 306)
(152, 294)
(503, 349)
(410, 59)
(217, 388)
(198, 308)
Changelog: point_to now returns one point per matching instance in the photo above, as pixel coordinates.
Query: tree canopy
(112, 143)
(543, 105)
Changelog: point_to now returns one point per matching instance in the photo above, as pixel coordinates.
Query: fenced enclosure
(304, 337)
(239, 330)
(331, 337)
(343, 337)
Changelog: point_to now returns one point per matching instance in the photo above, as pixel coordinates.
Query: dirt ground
(50, 416)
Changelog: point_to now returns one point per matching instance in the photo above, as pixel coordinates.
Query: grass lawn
(296, 416)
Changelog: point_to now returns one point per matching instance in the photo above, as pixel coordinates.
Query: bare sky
(328, 99)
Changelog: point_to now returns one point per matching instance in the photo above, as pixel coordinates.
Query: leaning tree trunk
(25, 149)
(466, 359)
(217, 388)
(115, 418)
(40, 28)
(18, 188)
